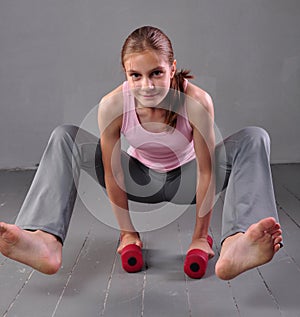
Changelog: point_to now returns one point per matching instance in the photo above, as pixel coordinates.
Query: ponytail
(176, 96)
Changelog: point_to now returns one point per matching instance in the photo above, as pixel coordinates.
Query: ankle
(46, 236)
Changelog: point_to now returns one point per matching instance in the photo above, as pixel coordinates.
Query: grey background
(58, 57)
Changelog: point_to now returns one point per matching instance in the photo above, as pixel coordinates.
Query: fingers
(125, 242)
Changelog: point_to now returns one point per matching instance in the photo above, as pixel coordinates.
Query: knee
(63, 132)
(257, 133)
(256, 137)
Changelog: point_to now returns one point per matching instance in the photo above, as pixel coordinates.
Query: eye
(134, 76)
(157, 73)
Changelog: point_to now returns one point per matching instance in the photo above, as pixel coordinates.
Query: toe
(277, 247)
(2, 227)
(267, 224)
(276, 234)
(278, 240)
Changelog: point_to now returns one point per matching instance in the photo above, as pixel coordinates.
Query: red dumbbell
(195, 263)
(132, 258)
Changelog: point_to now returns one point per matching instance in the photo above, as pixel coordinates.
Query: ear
(173, 68)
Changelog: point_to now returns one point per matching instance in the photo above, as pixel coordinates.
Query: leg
(250, 231)
(49, 203)
(41, 227)
(48, 206)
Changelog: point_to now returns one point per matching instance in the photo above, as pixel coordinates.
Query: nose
(147, 84)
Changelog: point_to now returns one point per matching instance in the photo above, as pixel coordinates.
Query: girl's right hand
(127, 238)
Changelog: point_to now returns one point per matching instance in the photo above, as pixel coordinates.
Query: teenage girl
(169, 124)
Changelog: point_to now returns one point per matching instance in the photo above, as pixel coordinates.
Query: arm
(201, 114)
(110, 122)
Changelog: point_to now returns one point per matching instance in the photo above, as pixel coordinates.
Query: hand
(202, 244)
(129, 238)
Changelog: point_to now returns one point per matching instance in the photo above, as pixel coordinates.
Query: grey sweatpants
(244, 170)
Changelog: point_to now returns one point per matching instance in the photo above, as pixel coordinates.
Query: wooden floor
(92, 283)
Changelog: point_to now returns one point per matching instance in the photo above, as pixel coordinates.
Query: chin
(155, 101)
(149, 101)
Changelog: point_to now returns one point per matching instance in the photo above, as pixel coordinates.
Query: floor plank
(92, 282)
(165, 280)
(210, 295)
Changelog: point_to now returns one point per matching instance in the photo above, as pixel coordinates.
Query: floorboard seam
(144, 282)
(292, 193)
(287, 214)
(274, 299)
(234, 299)
(228, 283)
(18, 294)
(292, 259)
(143, 294)
(185, 278)
(71, 273)
(109, 284)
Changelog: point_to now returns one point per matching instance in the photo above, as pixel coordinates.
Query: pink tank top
(162, 151)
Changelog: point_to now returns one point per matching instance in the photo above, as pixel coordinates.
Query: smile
(150, 96)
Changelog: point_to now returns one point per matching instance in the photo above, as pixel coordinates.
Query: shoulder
(200, 111)
(113, 94)
(110, 108)
(112, 102)
(198, 100)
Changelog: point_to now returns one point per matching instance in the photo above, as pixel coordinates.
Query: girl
(169, 124)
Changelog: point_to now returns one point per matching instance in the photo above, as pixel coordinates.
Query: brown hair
(152, 38)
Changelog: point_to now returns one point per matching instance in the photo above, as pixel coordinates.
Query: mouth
(149, 96)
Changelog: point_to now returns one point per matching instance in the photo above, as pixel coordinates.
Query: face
(149, 76)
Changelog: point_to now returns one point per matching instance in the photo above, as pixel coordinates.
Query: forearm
(119, 202)
(204, 205)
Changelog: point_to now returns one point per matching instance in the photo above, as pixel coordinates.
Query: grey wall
(58, 57)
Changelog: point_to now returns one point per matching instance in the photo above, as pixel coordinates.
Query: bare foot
(129, 238)
(38, 249)
(244, 251)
